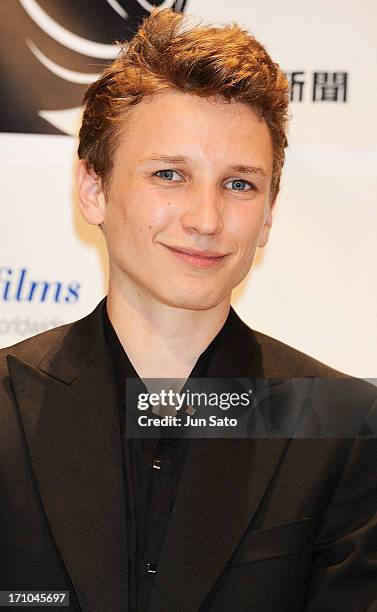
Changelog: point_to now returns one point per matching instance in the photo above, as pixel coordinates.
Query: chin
(190, 301)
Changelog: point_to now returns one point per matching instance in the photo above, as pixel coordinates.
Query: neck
(160, 340)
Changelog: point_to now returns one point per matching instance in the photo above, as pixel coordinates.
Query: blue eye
(239, 185)
(168, 175)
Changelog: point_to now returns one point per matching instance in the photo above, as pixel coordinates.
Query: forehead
(204, 129)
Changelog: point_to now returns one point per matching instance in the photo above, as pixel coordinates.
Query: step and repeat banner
(314, 285)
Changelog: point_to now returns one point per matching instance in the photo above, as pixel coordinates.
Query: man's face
(188, 201)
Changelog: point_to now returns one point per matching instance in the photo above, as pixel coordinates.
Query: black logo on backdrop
(322, 86)
(53, 49)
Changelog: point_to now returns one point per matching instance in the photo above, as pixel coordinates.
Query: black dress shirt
(152, 468)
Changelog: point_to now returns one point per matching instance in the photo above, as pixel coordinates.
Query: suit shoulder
(65, 349)
(283, 361)
(35, 348)
(291, 362)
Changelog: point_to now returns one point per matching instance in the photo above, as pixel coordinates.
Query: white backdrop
(314, 285)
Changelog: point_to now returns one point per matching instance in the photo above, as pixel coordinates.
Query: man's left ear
(266, 228)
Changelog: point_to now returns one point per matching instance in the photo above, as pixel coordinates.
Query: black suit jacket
(269, 524)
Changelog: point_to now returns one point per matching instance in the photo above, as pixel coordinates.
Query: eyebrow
(241, 169)
(171, 159)
(181, 159)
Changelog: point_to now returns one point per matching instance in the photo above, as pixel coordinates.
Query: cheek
(245, 228)
(158, 219)
(135, 216)
(159, 214)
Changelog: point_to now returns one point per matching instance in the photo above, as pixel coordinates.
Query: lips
(195, 257)
(196, 253)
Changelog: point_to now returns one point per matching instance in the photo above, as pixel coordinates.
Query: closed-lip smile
(198, 257)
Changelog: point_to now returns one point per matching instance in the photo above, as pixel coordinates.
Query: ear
(263, 239)
(92, 199)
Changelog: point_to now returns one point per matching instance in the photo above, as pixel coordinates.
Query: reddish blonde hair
(225, 62)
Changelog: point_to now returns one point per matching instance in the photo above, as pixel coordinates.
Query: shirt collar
(124, 369)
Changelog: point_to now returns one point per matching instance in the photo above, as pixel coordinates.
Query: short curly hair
(167, 53)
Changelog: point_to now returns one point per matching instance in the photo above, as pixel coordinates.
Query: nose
(203, 213)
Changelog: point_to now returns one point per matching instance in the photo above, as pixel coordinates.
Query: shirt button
(151, 568)
(156, 464)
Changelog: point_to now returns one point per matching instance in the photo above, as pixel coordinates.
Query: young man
(181, 149)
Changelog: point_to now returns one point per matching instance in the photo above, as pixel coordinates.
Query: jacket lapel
(69, 412)
(222, 485)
